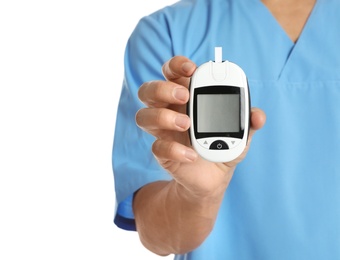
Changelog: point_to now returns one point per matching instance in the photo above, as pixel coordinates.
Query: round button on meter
(219, 145)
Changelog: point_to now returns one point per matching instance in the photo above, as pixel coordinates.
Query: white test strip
(218, 54)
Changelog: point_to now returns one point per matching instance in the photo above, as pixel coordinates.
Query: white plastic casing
(222, 74)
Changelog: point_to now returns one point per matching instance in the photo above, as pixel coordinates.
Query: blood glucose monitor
(219, 109)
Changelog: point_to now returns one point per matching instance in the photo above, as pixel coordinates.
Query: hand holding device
(219, 109)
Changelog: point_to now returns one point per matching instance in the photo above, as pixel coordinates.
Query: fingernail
(181, 94)
(190, 155)
(182, 122)
(187, 66)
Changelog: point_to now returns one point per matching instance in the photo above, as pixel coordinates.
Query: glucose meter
(219, 110)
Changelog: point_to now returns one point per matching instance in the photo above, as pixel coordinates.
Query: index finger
(162, 93)
(179, 69)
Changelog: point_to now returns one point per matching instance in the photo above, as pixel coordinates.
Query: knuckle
(163, 149)
(161, 117)
(145, 91)
(154, 147)
(139, 118)
(153, 93)
(171, 149)
(158, 92)
(141, 91)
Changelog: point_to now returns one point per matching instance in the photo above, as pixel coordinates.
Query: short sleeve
(133, 163)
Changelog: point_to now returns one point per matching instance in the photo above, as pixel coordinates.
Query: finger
(257, 120)
(179, 69)
(162, 93)
(172, 151)
(151, 119)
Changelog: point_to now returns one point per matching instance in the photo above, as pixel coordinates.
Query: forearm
(170, 219)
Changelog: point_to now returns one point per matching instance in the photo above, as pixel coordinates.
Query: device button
(219, 145)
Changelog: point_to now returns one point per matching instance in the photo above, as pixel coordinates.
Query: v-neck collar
(303, 40)
(292, 47)
(280, 27)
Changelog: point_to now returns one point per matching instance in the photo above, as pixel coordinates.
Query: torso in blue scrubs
(284, 199)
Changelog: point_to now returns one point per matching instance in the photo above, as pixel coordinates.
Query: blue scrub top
(284, 199)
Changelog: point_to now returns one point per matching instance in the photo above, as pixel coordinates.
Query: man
(280, 199)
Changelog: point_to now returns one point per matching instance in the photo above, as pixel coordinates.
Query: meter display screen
(218, 113)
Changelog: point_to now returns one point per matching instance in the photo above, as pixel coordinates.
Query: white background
(61, 68)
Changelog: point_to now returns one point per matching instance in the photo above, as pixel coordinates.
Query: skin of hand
(176, 216)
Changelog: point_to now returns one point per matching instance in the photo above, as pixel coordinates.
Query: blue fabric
(284, 199)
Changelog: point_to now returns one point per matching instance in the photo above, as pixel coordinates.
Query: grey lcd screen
(218, 113)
